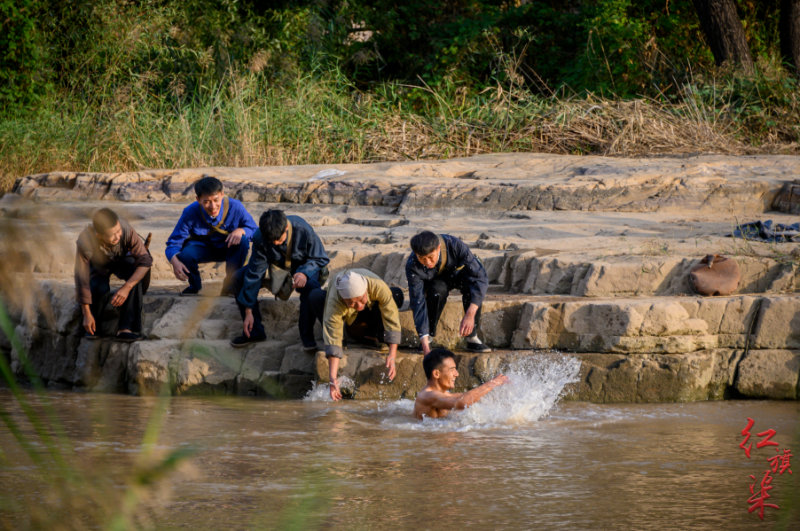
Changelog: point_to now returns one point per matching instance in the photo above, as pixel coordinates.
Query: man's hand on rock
(178, 269)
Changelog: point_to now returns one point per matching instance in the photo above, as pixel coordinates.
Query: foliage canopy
(100, 49)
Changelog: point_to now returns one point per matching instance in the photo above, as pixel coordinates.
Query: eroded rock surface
(586, 257)
(631, 350)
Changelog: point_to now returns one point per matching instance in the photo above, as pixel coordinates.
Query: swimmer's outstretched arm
(437, 400)
(473, 395)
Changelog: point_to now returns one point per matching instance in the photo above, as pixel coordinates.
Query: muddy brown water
(368, 465)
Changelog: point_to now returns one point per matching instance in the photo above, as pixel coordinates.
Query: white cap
(351, 285)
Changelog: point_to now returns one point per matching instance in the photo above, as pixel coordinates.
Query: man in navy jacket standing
(215, 228)
(437, 265)
(308, 270)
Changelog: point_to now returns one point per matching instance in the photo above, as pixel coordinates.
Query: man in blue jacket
(215, 228)
(438, 264)
(278, 233)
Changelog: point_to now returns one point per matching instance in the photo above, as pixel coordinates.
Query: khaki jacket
(337, 314)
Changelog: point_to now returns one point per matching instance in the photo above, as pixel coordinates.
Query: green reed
(320, 117)
(74, 495)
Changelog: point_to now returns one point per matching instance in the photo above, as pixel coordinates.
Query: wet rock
(152, 366)
(770, 374)
(191, 367)
(207, 367)
(297, 361)
(101, 366)
(693, 376)
(260, 368)
(44, 352)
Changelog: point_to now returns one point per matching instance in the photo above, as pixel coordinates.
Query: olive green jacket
(337, 314)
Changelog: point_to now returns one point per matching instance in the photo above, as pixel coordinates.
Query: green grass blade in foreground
(148, 470)
(57, 448)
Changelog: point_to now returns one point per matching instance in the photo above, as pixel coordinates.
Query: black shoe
(478, 347)
(243, 340)
(190, 292)
(310, 349)
(127, 337)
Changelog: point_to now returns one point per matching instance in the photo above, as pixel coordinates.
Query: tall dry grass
(246, 121)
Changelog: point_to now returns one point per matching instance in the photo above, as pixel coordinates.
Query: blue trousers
(197, 252)
(436, 292)
(306, 320)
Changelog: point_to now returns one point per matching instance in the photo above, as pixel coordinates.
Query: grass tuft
(245, 120)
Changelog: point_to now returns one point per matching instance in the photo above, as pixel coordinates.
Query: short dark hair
(424, 243)
(207, 186)
(104, 219)
(272, 224)
(434, 359)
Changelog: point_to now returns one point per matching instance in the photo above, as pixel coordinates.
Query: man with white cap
(358, 295)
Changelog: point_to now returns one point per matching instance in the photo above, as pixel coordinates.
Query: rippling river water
(368, 465)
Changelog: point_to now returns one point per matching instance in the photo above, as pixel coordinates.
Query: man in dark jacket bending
(438, 264)
(308, 268)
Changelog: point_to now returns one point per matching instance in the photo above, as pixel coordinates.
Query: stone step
(635, 349)
(621, 325)
(604, 378)
(537, 253)
(511, 272)
(511, 181)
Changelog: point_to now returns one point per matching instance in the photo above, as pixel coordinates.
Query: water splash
(319, 392)
(536, 384)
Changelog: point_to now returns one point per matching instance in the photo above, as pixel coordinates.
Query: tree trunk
(790, 33)
(724, 32)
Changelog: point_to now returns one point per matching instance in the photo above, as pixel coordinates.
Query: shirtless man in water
(435, 400)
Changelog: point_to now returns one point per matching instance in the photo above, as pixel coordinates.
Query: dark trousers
(368, 324)
(436, 292)
(197, 252)
(125, 317)
(307, 316)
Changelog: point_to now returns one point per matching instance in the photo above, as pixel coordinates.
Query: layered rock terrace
(587, 257)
